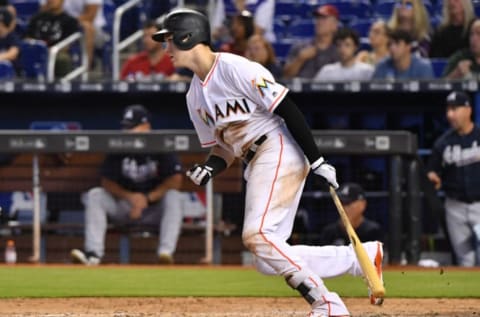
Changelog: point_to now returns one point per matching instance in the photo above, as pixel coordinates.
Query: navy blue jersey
(456, 159)
(140, 172)
(335, 234)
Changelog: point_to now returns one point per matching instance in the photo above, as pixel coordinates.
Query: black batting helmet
(188, 27)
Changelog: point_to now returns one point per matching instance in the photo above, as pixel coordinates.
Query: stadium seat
(362, 26)
(280, 28)
(384, 8)
(304, 29)
(438, 65)
(154, 8)
(34, 59)
(281, 50)
(476, 7)
(25, 9)
(289, 11)
(7, 72)
(350, 9)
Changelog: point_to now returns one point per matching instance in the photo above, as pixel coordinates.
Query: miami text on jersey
(224, 111)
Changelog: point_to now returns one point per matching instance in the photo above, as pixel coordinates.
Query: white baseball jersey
(233, 106)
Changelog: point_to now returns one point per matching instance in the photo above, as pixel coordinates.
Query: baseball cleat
(378, 267)
(87, 258)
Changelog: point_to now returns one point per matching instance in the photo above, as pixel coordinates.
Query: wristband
(317, 163)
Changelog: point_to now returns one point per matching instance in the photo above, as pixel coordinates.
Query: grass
(77, 281)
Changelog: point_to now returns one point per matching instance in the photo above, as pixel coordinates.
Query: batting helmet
(188, 27)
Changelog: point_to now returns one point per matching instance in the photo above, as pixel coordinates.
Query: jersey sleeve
(111, 168)
(435, 160)
(258, 84)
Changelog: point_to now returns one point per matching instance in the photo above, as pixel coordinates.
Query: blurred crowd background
(360, 39)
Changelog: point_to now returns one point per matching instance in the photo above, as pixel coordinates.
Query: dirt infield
(223, 307)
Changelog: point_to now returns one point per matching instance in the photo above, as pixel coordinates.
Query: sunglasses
(405, 4)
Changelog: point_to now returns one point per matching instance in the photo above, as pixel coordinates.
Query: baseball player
(454, 166)
(240, 111)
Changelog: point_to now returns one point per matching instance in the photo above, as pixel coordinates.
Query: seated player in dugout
(354, 202)
(239, 110)
(136, 189)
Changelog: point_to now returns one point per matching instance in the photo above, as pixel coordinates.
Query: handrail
(117, 46)
(55, 49)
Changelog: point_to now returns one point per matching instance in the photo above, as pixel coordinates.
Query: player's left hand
(325, 170)
(200, 174)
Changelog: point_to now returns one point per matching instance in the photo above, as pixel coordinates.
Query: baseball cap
(5, 17)
(458, 98)
(134, 115)
(350, 192)
(327, 10)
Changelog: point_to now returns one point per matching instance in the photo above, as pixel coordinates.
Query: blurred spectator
(153, 63)
(452, 34)
(5, 4)
(136, 189)
(454, 166)
(466, 63)
(89, 14)
(261, 51)
(347, 42)
(241, 29)
(307, 58)
(9, 44)
(412, 16)
(378, 37)
(53, 24)
(402, 64)
(354, 202)
(262, 11)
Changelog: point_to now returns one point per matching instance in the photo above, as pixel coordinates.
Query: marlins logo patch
(262, 84)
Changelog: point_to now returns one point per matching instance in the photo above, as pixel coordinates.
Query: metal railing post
(117, 45)
(53, 53)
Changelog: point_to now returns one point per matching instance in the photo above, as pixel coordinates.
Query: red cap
(327, 10)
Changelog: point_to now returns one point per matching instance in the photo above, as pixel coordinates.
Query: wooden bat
(369, 271)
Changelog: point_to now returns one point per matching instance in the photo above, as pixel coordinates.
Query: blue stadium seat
(384, 8)
(362, 26)
(280, 28)
(34, 59)
(438, 65)
(350, 9)
(476, 7)
(281, 50)
(302, 29)
(292, 9)
(155, 8)
(7, 72)
(25, 9)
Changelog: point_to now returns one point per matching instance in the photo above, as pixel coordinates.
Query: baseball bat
(369, 272)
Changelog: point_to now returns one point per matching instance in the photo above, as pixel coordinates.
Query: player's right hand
(200, 174)
(325, 170)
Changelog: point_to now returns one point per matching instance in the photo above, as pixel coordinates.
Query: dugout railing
(399, 146)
